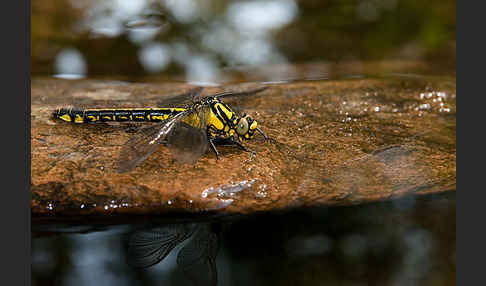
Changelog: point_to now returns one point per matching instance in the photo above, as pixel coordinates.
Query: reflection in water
(305, 246)
(149, 246)
(418, 244)
(389, 243)
(196, 259)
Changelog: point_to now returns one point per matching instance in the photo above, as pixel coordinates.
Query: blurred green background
(200, 39)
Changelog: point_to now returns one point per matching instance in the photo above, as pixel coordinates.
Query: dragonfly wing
(198, 257)
(236, 98)
(181, 99)
(144, 143)
(188, 140)
(149, 246)
(241, 94)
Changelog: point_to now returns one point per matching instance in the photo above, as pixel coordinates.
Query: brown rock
(336, 143)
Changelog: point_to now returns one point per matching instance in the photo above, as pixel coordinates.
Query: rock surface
(340, 142)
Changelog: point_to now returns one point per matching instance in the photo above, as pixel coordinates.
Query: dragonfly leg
(265, 135)
(261, 132)
(214, 148)
(243, 147)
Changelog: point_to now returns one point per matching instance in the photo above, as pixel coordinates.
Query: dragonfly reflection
(197, 259)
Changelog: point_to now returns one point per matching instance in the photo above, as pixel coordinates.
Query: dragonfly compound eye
(242, 127)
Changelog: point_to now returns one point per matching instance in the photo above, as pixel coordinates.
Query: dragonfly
(187, 128)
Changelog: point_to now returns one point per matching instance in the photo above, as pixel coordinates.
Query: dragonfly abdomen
(117, 115)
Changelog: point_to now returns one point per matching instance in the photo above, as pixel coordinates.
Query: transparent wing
(236, 98)
(185, 135)
(139, 147)
(150, 246)
(240, 94)
(182, 99)
(190, 96)
(188, 140)
(144, 142)
(198, 257)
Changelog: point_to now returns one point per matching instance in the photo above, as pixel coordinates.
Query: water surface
(402, 242)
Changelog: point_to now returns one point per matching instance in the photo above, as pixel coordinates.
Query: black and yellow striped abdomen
(220, 120)
(116, 114)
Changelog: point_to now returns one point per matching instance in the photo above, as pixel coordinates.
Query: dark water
(410, 241)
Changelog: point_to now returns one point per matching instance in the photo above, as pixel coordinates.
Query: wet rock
(334, 143)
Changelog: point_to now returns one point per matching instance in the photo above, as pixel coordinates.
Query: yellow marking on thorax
(227, 111)
(215, 122)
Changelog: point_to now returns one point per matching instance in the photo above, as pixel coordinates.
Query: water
(403, 242)
(358, 188)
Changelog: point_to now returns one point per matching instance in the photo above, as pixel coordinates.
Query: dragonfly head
(246, 127)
